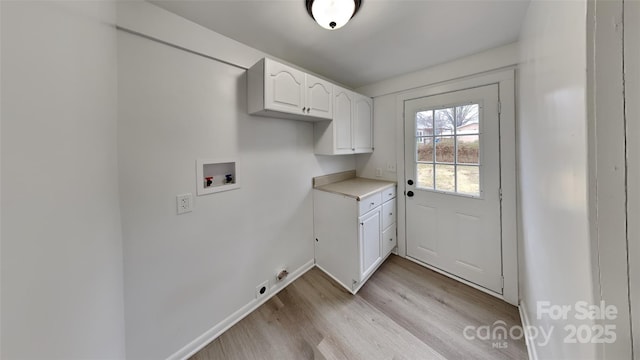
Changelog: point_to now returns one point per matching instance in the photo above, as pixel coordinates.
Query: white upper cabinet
(279, 90)
(283, 88)
(363, 125)
(318, 97)
(351, 131)
(344, 102)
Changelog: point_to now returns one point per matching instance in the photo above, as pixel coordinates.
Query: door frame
(505, 79)
(631, 47)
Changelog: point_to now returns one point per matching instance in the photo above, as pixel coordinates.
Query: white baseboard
(531, 346)
(211, 334)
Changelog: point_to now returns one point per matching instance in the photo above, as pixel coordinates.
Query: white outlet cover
(378, 172)
(184, 203)
(391, 167)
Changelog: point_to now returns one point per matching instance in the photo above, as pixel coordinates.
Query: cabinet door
(319, 97)
(363, 125)
(342, 120)
(370, 244)
(283, 88)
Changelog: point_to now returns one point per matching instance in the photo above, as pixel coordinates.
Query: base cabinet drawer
(369, 203)
(389, 240)
(388, 213)
(388, 194)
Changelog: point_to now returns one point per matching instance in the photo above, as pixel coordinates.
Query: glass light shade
(333, 14)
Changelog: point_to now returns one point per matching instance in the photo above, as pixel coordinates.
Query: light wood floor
(404, 311)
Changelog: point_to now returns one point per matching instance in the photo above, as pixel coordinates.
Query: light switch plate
(184, 203)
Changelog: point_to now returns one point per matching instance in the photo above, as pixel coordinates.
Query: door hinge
(500, 194)
(502, 283)
(499, 107)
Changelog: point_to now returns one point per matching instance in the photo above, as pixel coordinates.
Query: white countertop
(356, 188)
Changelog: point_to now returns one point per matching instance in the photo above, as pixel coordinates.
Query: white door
(363, 125)
(452, 155)
(370, 246)
(343, 103)
(319, 97)
(284, 88)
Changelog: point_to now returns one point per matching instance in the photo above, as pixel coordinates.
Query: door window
(448, 149)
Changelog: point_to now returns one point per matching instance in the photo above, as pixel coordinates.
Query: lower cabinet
(352, 238)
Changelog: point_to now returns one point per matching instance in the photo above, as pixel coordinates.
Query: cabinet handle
(391, 239)
(373, 203)
(304, 108)
(308, 110)
(390, 214)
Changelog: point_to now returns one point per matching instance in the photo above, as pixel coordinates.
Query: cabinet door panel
(363, 125)
(342, 115)
(370, 245)
(284, 88)
(319, 97)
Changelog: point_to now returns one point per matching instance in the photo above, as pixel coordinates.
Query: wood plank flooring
(404, 311)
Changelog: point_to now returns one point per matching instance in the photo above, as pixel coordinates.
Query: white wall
(556, 264)
(184, 275)
(62, 288)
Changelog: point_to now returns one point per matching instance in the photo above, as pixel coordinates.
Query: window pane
(445, 178)
(443, 121)
(469, 180)
(425, 149)
(468, 149)
(424, 123)
(467, 119)
(425, 176)
(445, 149)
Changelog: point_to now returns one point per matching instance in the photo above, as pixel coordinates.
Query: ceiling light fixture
(332, 14)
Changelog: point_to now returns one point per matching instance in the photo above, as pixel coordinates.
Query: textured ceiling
(386, 38)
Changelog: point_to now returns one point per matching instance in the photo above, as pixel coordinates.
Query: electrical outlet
(184, 203)
(262, 289)
(379, 172)
(391, 167)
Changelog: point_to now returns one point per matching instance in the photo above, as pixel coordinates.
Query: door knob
(410, 193)
(410, 182)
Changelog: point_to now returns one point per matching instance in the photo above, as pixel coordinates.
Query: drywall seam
(149, 37)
